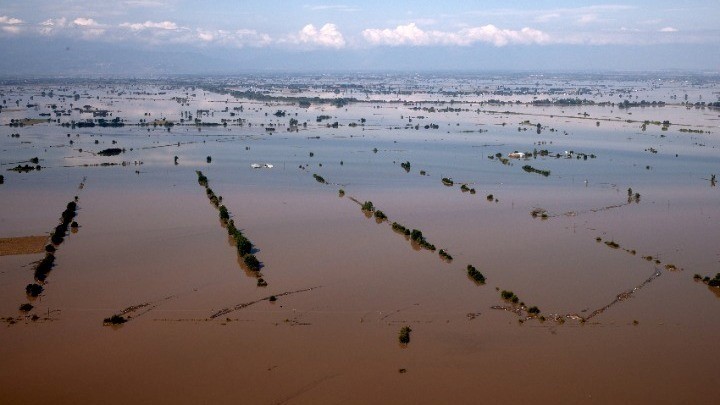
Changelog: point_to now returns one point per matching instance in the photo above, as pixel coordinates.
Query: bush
(252, 262)
(244, 246)
(445, 255)
(612, 244)
(404, 335)
(319, 179)
(44, 266)
(202, 180)
(475, 274)
(533, 310)
(368, 206)
(380, 215)
(531, 169)
(114, 320)
(33, 290)
(507, 295)
(224, 214)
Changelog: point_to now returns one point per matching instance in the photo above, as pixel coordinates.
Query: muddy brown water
(154, 238)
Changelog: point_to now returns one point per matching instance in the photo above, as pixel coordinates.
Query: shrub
(319, 178)
(446, 181)
(224, 214)
(380, 215)
(533, 310)
(202, 180)
(404, 335)
(612, 244)
(474, 274)
(531, 169)
(507, 295)
(244, 246)
(445, 255)
(114, 320)
(33, 289)
(400, 228)
(252, 262)
(44, 266)
(368, 206)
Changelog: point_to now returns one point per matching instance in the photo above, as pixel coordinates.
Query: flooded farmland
(368, 238)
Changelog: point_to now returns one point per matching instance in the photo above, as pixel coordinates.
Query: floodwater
(151, 242)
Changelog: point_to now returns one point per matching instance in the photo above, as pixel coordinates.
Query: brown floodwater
(150, 239)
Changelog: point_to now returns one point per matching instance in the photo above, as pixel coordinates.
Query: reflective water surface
(150, 242)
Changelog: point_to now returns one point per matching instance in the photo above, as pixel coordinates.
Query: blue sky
(423, 35)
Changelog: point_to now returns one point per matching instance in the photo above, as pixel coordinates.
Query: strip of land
(22, 245)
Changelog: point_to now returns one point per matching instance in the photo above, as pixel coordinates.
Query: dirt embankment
(22, 245)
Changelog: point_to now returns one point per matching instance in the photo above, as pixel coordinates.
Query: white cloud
(205, 36)
(9, 20)
(85, 22)
(547, 17)
(238, 38)
(668, 29)
(163, 25)
(10, 25)
(91, 29)
(331, 7)
(410, 34)
(12, 29)
(50, 26)
(587, 19)
(327, 36)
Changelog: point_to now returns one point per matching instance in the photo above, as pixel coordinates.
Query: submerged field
(566, 273)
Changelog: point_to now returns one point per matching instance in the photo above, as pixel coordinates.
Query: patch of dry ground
(22, 245)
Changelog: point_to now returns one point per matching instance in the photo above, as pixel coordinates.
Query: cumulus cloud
(9, 24)
(237, 38)
(668, 29)
(90, 28)
(163, 25)
(9, 20)
(327, 36)
(411, 34)
(85, 22)
(50, 26)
